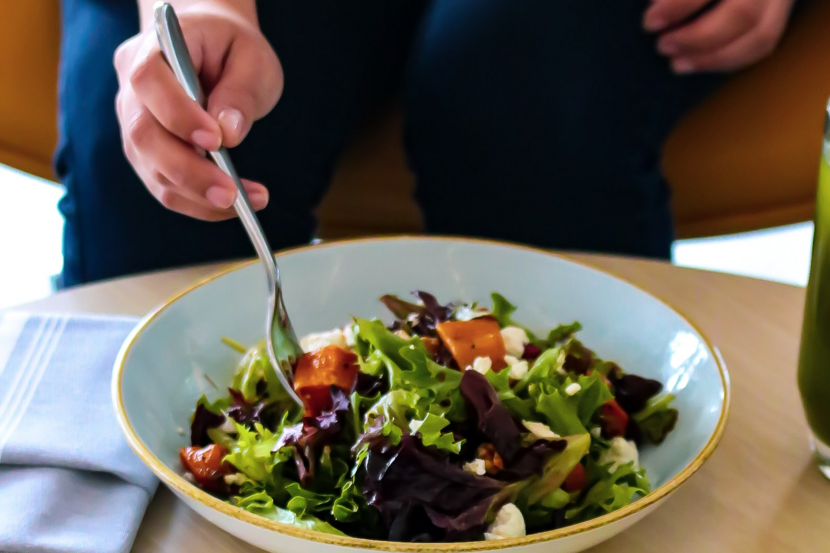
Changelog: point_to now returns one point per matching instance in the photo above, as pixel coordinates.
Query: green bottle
(814, 358)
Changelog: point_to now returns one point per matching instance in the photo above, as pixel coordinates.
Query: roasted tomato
(613, 419)
(576, 480)
(205, 464)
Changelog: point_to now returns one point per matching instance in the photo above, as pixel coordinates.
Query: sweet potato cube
(318, 371)
(467, 340)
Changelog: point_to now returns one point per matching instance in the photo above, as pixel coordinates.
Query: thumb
(248, 88)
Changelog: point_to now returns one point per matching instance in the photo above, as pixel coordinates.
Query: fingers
(754, 45)
(247, 90)
(155, 84)
(664, 14)
(712, 30)
(730, 36)
(735, 55)
(174, 172)
(171, 198)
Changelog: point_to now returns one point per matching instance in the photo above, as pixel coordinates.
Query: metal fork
(280, 338)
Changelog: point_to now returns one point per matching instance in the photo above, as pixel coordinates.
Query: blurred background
(743, 166)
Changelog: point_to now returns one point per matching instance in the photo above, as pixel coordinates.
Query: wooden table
(760, 491)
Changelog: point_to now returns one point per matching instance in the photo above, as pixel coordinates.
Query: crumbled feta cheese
(350, 334)
(510, 360)
(572, 389)
(519, 370)
(620, 453)
(319, 340)
(481, 365)
(596, 432)
(509, 523)
(464, 313)
(402, 334)
(476, 467)
(541, 430)
(515, 340)
(467, 313)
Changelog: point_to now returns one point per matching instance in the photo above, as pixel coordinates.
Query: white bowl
(161, 370)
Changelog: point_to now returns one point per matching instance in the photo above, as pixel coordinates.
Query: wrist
(242, 10)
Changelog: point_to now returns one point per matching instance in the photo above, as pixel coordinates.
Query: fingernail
(231, 122)
(683, 66)
(220, 196)
(667, 48)
(653, 23)
(259, 199)
(201, 151)
(206, 139)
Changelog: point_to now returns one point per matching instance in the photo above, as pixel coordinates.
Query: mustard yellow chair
(745, 159)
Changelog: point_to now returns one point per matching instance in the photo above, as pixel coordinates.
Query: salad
(454, 423)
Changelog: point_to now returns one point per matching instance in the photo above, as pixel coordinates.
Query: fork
(280, 339)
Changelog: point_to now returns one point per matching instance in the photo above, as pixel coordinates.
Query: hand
(729, 36)
(165, 133)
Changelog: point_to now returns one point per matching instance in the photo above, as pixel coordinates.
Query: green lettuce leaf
(559, 334)
(397, 408)
(503, 311)
(608, 492)
(251, 453)
(429, 428)
(657, 419)
(521, 408)
(254, 367)
(217, 407)
(410, 367)
(545, 369)
(557, 469)
(261, 504)
(304, 502)
(250, 371)
(569, 414)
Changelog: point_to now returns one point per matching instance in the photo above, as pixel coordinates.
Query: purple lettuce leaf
(203, 420)
(632, 392)
(531, 460)
(439, 313)
(494, 419)
(418, 319)
(367, 385)
(405, 482)
(579, 358)
(401, 309)
(312, 433)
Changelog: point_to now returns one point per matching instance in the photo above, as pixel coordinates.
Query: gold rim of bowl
(182, 486)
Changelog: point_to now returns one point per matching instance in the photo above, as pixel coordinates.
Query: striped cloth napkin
(69, 482)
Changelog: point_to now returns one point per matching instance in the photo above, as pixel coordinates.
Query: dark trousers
(533, 121)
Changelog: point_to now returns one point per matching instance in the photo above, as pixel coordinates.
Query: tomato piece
(318, 371)
(576, 480)
(467, 340)
(205, 463)
(613, 419)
